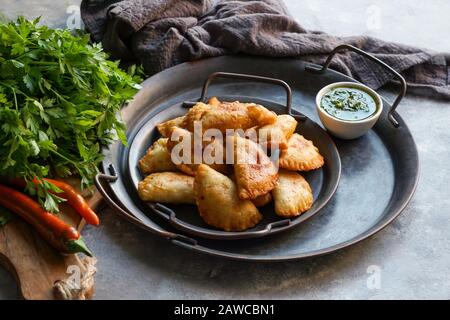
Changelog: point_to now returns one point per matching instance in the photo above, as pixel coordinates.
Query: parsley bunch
(59, 103)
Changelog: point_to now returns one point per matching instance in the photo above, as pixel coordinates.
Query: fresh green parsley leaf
(60, 101)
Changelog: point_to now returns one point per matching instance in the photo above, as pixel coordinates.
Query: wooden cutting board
(37, 267)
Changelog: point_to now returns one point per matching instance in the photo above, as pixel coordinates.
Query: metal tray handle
(344, 47)
(129, 217)
(170, 215)
(247, 77)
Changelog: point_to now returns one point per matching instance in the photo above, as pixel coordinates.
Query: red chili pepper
(58, 233)
(74, 199)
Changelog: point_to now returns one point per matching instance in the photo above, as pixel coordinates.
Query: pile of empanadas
(228, 195)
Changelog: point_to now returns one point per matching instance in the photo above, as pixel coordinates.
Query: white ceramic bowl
(346, 129)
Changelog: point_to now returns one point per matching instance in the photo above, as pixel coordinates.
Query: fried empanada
(260, 115)
(219, 204)
(262, 200)
(214, 102)
(189, 163)
(167, 187)
(228, 115)
(165, 127)
(292, 195)
(276, 135)
(157, 158)
(195, 114)
(254, 171)
(259, 201)
(301, 154)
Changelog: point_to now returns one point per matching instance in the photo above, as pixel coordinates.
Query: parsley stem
(15, 99)
(63, 157)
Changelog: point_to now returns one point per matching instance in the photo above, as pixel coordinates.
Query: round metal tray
(323, 182)
(379, 170)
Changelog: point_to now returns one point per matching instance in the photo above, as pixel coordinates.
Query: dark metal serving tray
(323, 181)
(379, 170)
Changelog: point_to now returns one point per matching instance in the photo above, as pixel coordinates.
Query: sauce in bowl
(349, 104)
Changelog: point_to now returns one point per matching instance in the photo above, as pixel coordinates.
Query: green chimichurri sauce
(349, 104)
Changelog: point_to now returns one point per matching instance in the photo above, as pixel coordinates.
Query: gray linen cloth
(163, 33)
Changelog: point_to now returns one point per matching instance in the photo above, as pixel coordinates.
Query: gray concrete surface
(412, 254)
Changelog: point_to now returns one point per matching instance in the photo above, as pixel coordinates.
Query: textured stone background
(413, 252)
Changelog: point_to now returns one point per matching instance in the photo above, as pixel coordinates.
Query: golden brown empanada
(157, 158)
(260, 115)
(292, 195)
(259, 201)
(228, 115)
(167, 187)
(195, 114)
(254, 171)
(262, 200)
(276, 135)
(300, 154)
(188, 164)
(218, 203)
(214, 102)
(165, 127)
